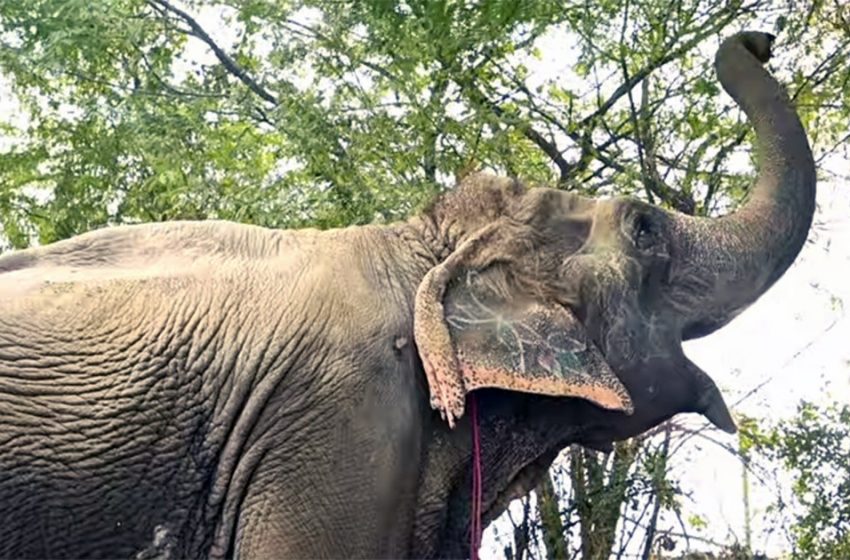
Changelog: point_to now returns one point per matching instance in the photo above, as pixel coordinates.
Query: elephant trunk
(725, 264)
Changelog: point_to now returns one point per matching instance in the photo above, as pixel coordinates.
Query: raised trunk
(724, 264)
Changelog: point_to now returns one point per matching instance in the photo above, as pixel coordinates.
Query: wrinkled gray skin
(214, 389)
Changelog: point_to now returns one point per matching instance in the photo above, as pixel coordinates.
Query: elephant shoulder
(356, 275)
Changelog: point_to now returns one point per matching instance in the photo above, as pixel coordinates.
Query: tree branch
(552, 526)
(588, 152)
(669, 56)
(647, 159)
(229, 64)
(657, 478)
(548, 147)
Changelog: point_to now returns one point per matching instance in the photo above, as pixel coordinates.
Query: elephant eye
(644, 233)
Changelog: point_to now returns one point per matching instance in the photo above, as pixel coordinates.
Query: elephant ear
(524, 345)
(472, 332)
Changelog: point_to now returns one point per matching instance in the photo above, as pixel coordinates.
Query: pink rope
(475, 517)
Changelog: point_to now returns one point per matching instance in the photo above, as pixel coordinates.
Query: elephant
(212, 389)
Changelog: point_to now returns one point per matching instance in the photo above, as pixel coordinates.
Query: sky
(792, 344)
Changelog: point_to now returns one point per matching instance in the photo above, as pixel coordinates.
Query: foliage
(336, 112)
(815, 448)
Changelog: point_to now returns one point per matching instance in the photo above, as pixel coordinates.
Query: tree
(814, 447)
(335, 112)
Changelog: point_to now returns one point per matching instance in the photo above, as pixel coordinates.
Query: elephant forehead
(541, 202)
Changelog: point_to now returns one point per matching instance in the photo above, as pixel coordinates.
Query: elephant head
(546, 292)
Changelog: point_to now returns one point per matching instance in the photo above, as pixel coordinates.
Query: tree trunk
(550, 520)
(599, 503)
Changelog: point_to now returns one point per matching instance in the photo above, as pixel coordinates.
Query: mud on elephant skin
(211, 389)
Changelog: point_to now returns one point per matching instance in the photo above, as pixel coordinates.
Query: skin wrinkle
(235, 336)
(291, 352)
(295, 357)
(254, 398)
(242, 477)
(174, 332)
(208, 336)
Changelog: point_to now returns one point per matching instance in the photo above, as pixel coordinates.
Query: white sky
(793, 344)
